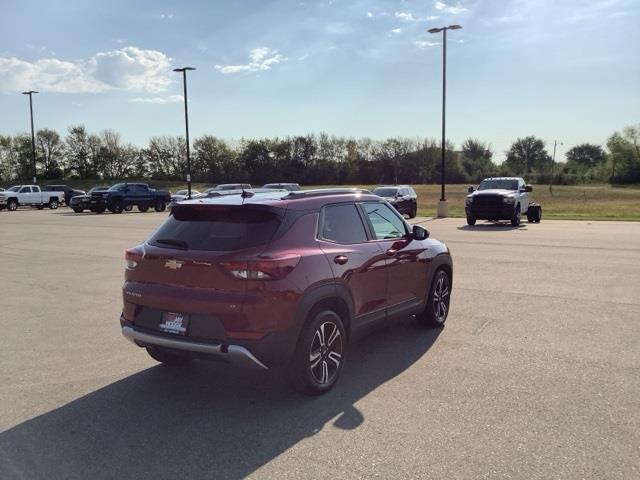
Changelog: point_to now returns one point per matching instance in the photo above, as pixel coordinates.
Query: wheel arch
(331, 296)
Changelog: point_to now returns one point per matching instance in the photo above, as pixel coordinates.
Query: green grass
(575, 202)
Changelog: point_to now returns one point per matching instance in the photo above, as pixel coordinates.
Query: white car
(29, 195)
(183, 194)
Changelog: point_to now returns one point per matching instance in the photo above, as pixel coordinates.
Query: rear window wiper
(174, 243)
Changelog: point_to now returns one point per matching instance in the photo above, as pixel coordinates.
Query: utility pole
(33, 136)
(553, 162)
(442, 205)
(186, 121)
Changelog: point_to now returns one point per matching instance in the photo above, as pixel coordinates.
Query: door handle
(391, 252)
(341, 259)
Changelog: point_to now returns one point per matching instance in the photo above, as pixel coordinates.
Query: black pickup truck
(123, 195)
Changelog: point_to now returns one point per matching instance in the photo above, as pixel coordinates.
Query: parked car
(68, 191)
(292, 187)
(183, 194)
(79, 203)
(280, 279)
(229, 186)
(402, 197)
(29, 195)
(123, 195)
(501, 198)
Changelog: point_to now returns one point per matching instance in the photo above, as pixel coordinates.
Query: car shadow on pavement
(202, 421)
(492, 227)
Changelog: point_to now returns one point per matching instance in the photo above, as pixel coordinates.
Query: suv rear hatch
(194, 267)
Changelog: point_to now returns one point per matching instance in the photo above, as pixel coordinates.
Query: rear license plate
(175, 323)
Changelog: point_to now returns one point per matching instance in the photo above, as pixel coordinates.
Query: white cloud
(260, 58)
(129, 68)
(423, 44)
(396, 30)
(453, 9)
(167, 16)
(369, 14)
(405, 16)
(160, 100)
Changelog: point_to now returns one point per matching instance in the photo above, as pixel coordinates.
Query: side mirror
(528, 188)
(419, 233)
(471, 189)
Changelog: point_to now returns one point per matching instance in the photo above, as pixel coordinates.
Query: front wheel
(53, 203)
(160, 206)
(143, 208)
(437, 309)
(77, 209)
(168, 358)
(12, 205)
(515, 219)
(128, 208)
(116, 207)
(319, 355)
(471, 220)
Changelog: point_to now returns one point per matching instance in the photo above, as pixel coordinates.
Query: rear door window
(385, 223)
(342, 224)
(217, 228)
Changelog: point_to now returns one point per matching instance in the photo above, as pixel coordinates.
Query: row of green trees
(310, 159)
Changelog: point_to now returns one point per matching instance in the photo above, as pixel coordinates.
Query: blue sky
(566, 70)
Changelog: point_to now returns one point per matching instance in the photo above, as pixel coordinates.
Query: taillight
(266, 269)
(132, 258)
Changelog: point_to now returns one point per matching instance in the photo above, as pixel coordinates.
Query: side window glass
(342, 224)
(385, 222)
(25, 190)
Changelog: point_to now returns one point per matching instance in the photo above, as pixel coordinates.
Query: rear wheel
(77, 209)
(53, 203)
(160, 206)
(143, 208)
(100, 210)
(437, 309)
(471, 220)
(168, 358)
(128, 208)
(319, 355)
(413, 212)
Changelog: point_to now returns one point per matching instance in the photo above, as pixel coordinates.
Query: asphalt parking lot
(535, 376)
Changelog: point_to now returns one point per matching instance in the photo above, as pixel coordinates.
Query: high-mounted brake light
(264, 269)
(132, 258)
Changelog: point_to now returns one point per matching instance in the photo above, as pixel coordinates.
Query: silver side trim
(235, 354)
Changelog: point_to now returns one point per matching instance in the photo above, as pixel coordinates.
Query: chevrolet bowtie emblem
(173, 264)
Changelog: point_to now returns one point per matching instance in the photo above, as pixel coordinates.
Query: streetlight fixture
(186, 121)
(442, 205)
(33, 137)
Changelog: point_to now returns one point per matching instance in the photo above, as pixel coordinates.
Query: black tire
(54, 203)
(539, 215)
(160, 206)
(319, 355)
(168, 358)
(100, 210)
(413, 212)
(128, 208)
(12, 205)
(77, 209)
(143, 208)
(471, 220)
(116, 207)
(515, 219)
(437, 308)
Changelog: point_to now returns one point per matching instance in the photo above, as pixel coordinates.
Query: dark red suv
(272, 279)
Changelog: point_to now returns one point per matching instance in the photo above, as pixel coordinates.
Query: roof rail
(321, 192)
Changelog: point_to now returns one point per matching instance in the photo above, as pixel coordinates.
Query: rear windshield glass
(217, 228)
(499, 184)
(385, 192)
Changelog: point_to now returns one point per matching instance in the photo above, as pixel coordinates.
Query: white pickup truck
(29, 195)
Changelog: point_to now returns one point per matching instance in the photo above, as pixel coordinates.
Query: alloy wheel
(441, 298)
(325, 354)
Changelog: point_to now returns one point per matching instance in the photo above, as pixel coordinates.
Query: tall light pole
(186, 121)
(442, 205)
(33, 136)
(553, 163)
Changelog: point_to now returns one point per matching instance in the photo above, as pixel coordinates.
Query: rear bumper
(234, 354)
